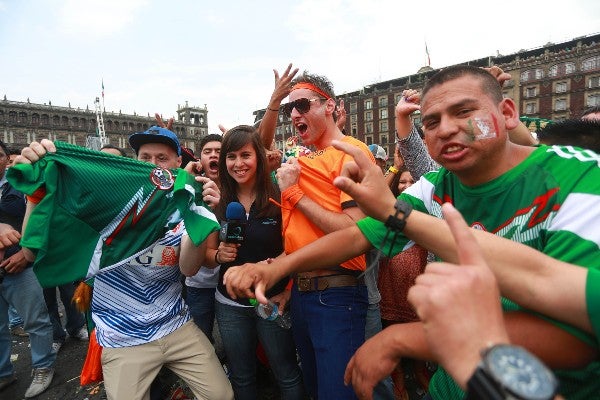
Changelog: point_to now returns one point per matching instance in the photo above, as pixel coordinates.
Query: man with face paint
(546, 197)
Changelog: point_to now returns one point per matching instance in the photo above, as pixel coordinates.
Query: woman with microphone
(252, 233)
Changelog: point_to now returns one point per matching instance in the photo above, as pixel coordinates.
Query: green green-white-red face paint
(481, 128)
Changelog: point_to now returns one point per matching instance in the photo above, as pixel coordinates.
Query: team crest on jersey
(478, 225)
(162, 178)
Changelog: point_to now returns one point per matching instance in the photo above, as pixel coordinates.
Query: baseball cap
(155, 134)
(187, 155)
(378, 152)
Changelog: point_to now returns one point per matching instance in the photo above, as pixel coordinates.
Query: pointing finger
(467, 249)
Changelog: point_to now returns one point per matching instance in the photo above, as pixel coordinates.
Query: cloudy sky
(154, 54)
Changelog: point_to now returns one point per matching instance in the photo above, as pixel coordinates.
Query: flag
(427, 53)
(102, 89)
(100, 211)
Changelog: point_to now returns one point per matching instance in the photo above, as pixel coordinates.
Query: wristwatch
(511, 372)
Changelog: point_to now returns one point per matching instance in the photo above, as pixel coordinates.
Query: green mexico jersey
(100, 210)
(550, 201)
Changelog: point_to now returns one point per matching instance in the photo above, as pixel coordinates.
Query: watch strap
(397, 222)
(481, 386)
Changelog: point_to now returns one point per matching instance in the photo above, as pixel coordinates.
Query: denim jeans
(240, 329)
(14, 319)
(24, 292)
(201, 302)
(74, 318)
(328, 326)
(384, 390)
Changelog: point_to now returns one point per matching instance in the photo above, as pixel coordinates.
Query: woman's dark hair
(233, 140)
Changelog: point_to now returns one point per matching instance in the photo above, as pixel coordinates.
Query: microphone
(234, 228)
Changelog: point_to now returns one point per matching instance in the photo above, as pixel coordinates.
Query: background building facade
(23, 122)
(554, 81)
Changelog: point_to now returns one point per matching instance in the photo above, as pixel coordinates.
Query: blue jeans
(75, 319)
(240, 330)
(201, 302)
(14, 319)
(328, 326)
(24, 292)
(384, 390)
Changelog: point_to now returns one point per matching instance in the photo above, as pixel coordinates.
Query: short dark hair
(110, 146)
(489, 84)
(213, 137)
(572, 132)
(590, 110)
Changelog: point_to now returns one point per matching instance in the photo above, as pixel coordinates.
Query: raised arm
(282, 89)
(526, 276)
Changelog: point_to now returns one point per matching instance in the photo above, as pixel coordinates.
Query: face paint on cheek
(486, 128)
(470, 131)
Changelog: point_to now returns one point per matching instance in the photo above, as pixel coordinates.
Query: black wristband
(396, 222)
(273, 109)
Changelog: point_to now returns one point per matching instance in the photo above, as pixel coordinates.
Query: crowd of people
(472, 248)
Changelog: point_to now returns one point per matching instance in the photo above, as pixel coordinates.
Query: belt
(313, 283)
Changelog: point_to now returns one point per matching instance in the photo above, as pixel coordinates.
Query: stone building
(554, 81)
(23, 122)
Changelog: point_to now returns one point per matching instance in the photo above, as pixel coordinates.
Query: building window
(369, 140)
(397, 98)
(561, 87)
(530, 108)
(532, 74)
(353, 108)
(539, 73)
(383, 126)
(530, 92)
(384, 140)
(594, 82)
(593, 100)
(383, 101)
(368, 115)
(368, 104)
(368, 128)
(590, 64)
(354, 130)
(560, 105)
(383, 113)
(353, 117)
(561, 69)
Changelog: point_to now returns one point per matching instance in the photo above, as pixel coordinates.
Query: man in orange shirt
(328, 305)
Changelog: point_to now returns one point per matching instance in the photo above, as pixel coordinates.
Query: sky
(154, 55)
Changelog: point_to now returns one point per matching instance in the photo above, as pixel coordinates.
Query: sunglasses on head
(302, 105)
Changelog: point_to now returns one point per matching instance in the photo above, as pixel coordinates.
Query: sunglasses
(302, 105)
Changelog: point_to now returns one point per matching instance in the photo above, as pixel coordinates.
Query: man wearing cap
(142, 322)
(380, 155)
(329, 305)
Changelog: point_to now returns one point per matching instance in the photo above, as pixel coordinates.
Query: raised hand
(452, 299)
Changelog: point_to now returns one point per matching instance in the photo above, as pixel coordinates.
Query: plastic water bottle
(270, 312)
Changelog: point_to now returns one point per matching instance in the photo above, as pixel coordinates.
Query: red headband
(310, 86)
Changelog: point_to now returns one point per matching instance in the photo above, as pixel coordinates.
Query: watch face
(521, 373)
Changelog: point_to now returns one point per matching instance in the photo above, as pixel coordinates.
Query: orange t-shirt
(316, 181)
